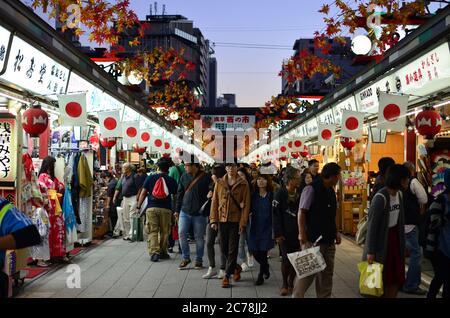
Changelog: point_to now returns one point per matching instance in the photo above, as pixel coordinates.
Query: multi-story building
(175, 31)
(227, 100)
(320, 84)
(212, 82)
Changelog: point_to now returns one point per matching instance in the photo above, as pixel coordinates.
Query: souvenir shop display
(99, 212)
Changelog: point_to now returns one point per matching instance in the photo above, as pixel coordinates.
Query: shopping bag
(371, 279)
(175, 232)
(307, 262)
(137, 234)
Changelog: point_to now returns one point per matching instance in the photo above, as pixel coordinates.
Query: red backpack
(160, 190)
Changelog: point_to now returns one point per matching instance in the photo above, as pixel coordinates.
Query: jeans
(243, 246)
(229, 244)
(210, 242)
(414, 270)
(199, 225)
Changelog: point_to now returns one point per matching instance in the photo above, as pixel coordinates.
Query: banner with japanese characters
(223, 122)
(73, 109)
(8, 151)
(110, 125)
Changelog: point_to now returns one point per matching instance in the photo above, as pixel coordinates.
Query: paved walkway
(122, 269)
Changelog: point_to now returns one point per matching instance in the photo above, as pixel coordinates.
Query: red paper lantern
(35, 121)
(304, 153)
(166, 155)
(295, 155)
(348, 143)
(139, 150)
(428, 123)
(108, 143)
(283, 158)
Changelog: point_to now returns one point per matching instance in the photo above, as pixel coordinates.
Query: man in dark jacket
(192, 195)
(16, 231)
(285, 227)
(317, 218)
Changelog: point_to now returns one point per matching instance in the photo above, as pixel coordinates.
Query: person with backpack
(17, 231)
(415, 197)
(438, 241)
(383, 165)
(385, 240)
(192, 195)
(161, 190)
(229, 213)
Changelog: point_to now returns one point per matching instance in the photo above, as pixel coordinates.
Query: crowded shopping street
(201, 152)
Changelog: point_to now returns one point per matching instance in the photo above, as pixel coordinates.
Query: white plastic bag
(307, 262)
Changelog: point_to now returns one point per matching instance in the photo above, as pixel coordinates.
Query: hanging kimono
(85, 182)
(69, 220)
(51, 191)
(42, 222)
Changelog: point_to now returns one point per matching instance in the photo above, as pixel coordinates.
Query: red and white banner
(167, 147)
(283, 150)
(392, 112)
(130, 132)
(110, 125)
(327, 134)
(145, 139)
(73, 109)
(158, 144)
(352, 124)
(296, 144)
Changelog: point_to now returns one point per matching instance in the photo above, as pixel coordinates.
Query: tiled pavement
(121, 269)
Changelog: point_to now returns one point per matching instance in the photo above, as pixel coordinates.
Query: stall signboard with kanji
(4, 41)
(326, 117)
(8, 151)
(425, 75)
(35, 71)
(224, 122)
(312, 128)
(347, 104)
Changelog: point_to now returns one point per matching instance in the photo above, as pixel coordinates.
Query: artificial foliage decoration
(344, 18)
(158, 65)
(277, 109)
(104, 20)
(178, 98)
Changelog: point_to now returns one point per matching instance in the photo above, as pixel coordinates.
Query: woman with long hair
(217, 173)
(306, 178)
(385, 240)
(260, 240)
(52, 191)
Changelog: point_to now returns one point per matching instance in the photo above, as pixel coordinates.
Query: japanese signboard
(223, 122)
(347, 104)
(311, 128)
(368, 98)
(8, 150)
(326, 117)
(4, 40)
(35, 71)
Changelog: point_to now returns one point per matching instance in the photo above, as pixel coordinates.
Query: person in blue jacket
(16, 231)
(260, 240)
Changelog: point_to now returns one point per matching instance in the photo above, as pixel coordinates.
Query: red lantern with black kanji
(35, 121)
(428, 123)
(108, 143)
(348, 143)
(295, 155)
(283, 158)
(304, 153)
(139, 150)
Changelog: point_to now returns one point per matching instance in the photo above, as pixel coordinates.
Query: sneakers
(210, 273)
(419, 291)
(245, 267)
(221, 274)
(155, 257)
(237, 273)
(198, 265)
(184, 263)
(225, 282)
(170, 250)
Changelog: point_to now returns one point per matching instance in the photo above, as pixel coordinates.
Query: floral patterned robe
(57, 235)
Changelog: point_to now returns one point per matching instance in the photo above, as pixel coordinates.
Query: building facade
(212, 82)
